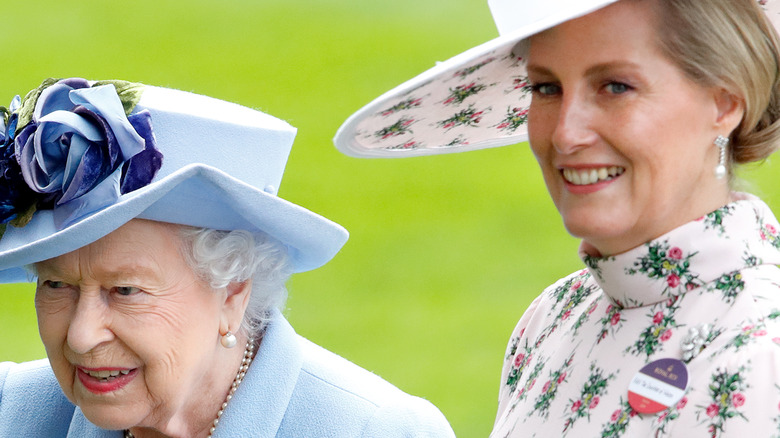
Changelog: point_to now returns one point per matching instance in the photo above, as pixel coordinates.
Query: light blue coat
(294, 388)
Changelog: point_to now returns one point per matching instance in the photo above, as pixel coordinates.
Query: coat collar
(259, 404)
(739, 235)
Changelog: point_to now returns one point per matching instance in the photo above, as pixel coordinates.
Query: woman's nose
(88, 326)
(573, 129)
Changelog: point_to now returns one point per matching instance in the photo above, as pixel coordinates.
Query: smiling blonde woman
(637, 112)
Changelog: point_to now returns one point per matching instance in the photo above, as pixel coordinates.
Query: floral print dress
(575, 351)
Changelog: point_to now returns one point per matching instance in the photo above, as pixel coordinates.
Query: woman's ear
(731, 110)
(234, 307)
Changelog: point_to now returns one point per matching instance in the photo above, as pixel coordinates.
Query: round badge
(658, 385)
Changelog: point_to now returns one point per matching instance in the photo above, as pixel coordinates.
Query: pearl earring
(721, 142)
(228, 340)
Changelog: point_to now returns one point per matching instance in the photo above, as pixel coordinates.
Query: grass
(445, 253)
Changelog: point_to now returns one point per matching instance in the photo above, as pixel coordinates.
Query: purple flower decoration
(15, 195)
(80, 150)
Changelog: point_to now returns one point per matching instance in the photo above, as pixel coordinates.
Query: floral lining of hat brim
(479, 104)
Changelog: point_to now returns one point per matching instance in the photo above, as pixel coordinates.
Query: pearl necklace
(249, 354)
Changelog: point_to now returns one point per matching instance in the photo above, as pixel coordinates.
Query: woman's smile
(590, 176)
(105, 380)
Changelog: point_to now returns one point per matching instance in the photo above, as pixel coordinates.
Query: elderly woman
(150, 219)
(639, 111)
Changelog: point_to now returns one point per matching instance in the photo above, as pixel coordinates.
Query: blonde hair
(729, 44)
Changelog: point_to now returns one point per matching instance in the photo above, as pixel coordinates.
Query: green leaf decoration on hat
(4, 115)
(29, 101)
(129, 92)
(23, 219)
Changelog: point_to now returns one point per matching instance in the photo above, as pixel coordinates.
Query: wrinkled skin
(129, 301)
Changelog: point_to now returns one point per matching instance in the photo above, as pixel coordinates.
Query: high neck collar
(739, 235)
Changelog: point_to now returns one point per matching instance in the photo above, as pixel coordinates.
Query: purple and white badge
(658, 385)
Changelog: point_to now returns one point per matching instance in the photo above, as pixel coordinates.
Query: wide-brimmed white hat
(477, 99)
(87, 157)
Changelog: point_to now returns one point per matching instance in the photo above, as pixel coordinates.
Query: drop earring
(722, 143)
(228, 340)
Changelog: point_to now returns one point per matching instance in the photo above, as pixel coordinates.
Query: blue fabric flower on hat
(78, 147)
(14, 194)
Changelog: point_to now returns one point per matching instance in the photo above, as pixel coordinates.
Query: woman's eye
(617, 88)
(126, 290)
(53, 284)
(546, 89)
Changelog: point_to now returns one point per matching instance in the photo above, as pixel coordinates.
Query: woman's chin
(603, 237)
(110, 414)
(596, 217)
(110, 418)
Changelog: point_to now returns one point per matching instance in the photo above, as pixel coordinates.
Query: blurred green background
(445, 252)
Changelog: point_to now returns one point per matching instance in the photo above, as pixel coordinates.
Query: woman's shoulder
(316, 392)
(31, 401)
(338, 385)
(748, 340)
(570, 284)
(571, 290)
(761, 282)
(19, 382)
(330, 369)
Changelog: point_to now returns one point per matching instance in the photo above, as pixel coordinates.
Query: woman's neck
(195, 418)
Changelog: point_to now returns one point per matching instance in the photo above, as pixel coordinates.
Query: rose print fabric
(571, 358)
(468, 107)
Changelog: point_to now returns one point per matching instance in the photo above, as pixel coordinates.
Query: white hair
(223, 257)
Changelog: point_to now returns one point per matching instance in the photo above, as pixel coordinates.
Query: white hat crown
(511, 15)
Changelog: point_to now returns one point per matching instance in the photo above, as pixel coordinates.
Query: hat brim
(223, 203)
(475, 100)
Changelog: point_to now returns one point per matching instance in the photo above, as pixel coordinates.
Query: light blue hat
(80, 159)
